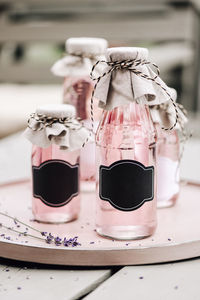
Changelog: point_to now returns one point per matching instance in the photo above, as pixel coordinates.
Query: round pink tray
(177, 236)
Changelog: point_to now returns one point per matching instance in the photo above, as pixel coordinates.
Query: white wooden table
(164, 281)
(27, 281)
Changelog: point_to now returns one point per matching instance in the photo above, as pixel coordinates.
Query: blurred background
(32, 38)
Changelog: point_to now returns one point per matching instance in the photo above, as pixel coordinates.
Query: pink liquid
(167, 167)
(43, 212)
(78, 91)
(125, 133)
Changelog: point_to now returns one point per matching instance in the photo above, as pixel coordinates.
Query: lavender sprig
(71, 242)
(49, 238)
(57, 241)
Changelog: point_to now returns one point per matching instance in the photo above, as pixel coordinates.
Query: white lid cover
(70, 136)
(57, 110)
(165, 115)
(121, 53)
(86, 45)
(120, 87)
(74, 65)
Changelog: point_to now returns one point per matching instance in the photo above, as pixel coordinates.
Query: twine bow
(130, 65)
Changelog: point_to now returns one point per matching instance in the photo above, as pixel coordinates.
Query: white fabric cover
(166, 117)
(72, 65)
(122, 86)
(70, 137)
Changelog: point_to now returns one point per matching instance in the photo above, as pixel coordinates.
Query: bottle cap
(82, 55)
(57, 110)
(121, 53)
(95, 46)
(65, 130)
(120, 83)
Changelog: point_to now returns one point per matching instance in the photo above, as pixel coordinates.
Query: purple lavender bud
(49, 238)
(44, 233)
(65, 243)
(76, 244)
(58, 241)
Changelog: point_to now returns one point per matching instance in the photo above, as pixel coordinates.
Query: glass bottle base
(55, 218)
(167, 203)
(126, 232)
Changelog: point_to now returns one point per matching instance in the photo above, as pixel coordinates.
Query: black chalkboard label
(126, 184)
(55, 182)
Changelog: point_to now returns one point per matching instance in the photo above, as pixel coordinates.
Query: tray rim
(141, 259)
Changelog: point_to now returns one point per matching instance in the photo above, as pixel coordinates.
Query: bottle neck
(133, 114)
(77, 91)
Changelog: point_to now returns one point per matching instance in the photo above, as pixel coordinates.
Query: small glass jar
(126, 182)
(57, 138)
(168, 151)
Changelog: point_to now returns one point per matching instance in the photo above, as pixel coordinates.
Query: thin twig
(15, 219)
(22, 233)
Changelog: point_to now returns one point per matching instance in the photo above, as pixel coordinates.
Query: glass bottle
(168, 151)
(57, 138)
(125, 134)
(168, 167)
(77, 89)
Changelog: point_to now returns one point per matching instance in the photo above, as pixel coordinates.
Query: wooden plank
(15, 158)
(190, 164)
(27, 72)
(19, 101)
(29, 283)
(166, 56)
(170, 55)
(179, 281)
(172, 26)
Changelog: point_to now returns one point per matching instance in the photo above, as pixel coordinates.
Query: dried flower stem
(15, 219)
(22, 233)
(49, 238)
